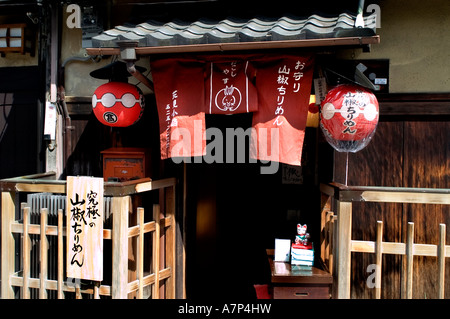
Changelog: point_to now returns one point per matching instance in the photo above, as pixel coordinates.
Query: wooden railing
(126, 241)
(337, 243)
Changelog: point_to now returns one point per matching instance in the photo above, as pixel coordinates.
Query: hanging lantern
(118, 104)
(348, 118)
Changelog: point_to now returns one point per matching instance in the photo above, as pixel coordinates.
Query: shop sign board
(84, 220)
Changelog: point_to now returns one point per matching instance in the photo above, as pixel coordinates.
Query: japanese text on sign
(283, 80)
(84, 222)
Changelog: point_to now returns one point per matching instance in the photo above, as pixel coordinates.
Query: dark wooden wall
(20, 135)
(407, 151)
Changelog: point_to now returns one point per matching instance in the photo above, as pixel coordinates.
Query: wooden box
(121, 164)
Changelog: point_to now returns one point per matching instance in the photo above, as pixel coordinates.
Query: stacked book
(302, 254)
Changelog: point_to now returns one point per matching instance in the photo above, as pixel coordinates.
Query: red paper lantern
(118, 104)
(349, 117)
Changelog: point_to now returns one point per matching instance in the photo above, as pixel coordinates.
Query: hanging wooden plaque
(84, 220)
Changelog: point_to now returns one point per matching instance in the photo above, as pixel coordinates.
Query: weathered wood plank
(60, 255)
(43, 254)
(7, 252)
(26, 254)
(409, 260)
(441, 260)
(140, 252)
(378, 262)
(156, 251)
(120, 211)
(344, 220)
(170, 241)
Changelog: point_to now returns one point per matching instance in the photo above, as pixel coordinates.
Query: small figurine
(302, 250)
(302, 236)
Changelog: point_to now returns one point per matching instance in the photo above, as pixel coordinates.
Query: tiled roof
(235, 30)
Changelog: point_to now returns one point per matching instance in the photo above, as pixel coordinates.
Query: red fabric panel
(229, 86)
(179, 92)
(276, 88)
(283, 83)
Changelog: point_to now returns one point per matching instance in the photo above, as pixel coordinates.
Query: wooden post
(7, 252)
(44, 254)
(140, 252)
(331, 241)
(379, 259)
(120, 208)
(170, 242)
(156, 251)
(26, 254)
(78, 291)
(344, 221)
(60, 255)
(441, 260)
(181, 241)
(409, 259)
(96, 290)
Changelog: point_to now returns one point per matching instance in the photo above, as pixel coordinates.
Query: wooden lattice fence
(148, 245)
(337, 244)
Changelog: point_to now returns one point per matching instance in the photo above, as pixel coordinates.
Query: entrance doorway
(234, 213)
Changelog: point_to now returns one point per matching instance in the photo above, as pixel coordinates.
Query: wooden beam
(237, 46)
(417, 104)
(387, 194)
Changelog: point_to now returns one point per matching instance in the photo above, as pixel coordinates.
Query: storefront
(176, 106)
(236, 201)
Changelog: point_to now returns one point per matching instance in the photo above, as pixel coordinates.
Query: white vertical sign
(85, 228)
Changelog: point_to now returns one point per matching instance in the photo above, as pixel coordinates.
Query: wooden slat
(17, 281)
(379, 259)
(405, 197)
(157, 184)
(26, 254)
(53, 230)
(344, 219)
(149, 226)
(43, 254)
(120, 210)
(394, 248)
(387, 194)
(60, 255)
(150, 279)
(140, 252)
(425, 250)
(7, 244)
(156, 251)
(363, 246)
(41, 188)
(170, 242)
(441, 260)
(409, 260)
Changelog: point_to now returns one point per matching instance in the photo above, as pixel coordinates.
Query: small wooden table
(298, 282)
